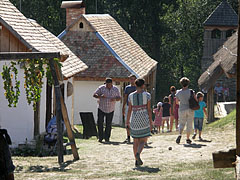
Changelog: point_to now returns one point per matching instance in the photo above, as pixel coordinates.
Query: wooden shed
(224, 63)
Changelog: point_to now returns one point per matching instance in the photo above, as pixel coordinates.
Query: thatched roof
(225, 60)
(227, 55)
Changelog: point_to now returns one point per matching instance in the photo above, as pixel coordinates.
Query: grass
(229, 120)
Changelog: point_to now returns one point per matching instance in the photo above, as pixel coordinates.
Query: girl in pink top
(158, 116)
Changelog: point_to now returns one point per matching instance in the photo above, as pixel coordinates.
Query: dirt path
(115, 160)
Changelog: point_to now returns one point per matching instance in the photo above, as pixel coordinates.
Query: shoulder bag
(193, 104)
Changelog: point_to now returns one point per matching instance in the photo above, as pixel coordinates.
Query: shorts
(198, 123)
(186, 117)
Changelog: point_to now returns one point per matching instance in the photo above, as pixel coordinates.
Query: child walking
(199, 116)
(158, 116)
(166, 111)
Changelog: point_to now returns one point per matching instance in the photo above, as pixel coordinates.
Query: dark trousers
(109, 117)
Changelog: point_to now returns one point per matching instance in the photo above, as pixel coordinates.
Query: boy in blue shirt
(199, 116)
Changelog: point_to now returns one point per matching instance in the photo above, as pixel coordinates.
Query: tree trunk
(37, 120)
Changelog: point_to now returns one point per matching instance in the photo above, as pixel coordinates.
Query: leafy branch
(34, 72)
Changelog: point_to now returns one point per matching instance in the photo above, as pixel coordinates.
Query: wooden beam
(66, 118)
(210, 104)
(28, 55)
(69, 130)
(238, 91)
(58, 112)
(37, 119)
(100, 79)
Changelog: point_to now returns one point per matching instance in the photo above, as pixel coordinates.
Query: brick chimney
(73, 10)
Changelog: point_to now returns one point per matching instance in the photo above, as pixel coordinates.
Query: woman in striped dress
(139, 118)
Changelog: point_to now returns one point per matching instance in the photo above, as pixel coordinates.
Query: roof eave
(17, 35)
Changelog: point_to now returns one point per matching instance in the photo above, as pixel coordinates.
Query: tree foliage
(46, 13)
(170, 31)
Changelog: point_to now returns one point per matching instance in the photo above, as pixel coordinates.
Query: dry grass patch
(115, 160)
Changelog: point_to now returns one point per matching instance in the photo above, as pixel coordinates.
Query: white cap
(159, 104)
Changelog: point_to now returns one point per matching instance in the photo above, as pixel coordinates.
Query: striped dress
(139, 121)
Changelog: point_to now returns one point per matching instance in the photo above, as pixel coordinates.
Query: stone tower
(220, 25)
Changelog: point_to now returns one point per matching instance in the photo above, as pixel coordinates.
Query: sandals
(194, 136)
(138, 161)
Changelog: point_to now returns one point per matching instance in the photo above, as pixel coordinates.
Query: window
(216, 34)
(229, 33)
(81, 25)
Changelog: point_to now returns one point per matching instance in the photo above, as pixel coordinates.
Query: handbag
(193, 104)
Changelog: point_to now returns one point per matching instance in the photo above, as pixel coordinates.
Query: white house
(108, 50)
(19, 34)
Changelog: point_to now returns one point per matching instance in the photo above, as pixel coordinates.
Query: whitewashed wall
(85, 102)
(19, 121)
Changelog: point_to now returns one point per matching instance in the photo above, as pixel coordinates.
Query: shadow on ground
(204, 140)
(61, 168)
(112, 143)
(147, 169)
(194, 145)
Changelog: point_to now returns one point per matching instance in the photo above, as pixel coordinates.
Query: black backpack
(193, 104)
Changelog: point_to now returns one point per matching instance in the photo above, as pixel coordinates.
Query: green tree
(47, 13)
(170, 31)
(181, 47)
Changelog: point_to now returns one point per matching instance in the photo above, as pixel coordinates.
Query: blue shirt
(199, 113)
(128, 90)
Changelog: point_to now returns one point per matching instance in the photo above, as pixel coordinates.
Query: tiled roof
(98, 58)
(223, 15)
(122, 44)
(37, 38)
(72, 65)
(111, 38)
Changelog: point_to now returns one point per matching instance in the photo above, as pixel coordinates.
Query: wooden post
(48, 103)
(69, 130)
(238, 91)
(37, 120)
(210, 104)
(238, 99)
(66, 119)
(58, 112)
(72, 110)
